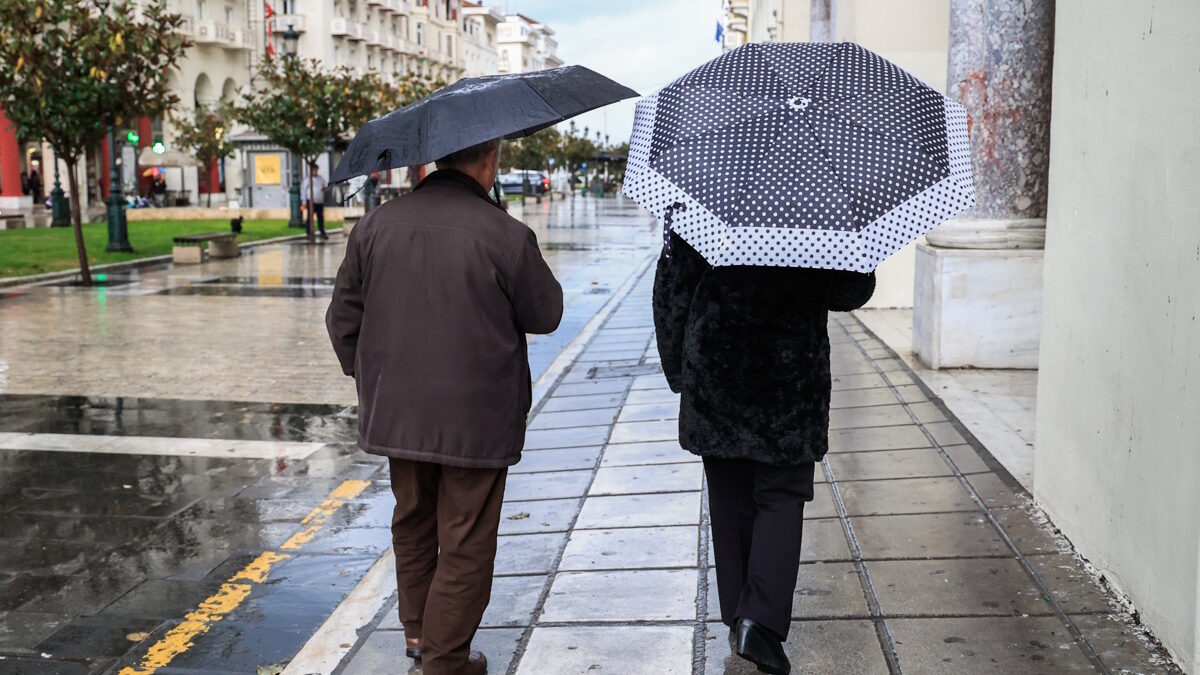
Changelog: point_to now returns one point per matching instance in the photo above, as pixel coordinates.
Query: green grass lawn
(51, 249)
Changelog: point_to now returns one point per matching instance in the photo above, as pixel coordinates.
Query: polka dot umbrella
(799, 155)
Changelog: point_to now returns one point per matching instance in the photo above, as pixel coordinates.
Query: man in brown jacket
(429, 315)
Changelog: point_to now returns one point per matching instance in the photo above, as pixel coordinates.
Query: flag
(270, 49)
(720, 31)
(268, 10)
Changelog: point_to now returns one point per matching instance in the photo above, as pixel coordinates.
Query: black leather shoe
(761, 647)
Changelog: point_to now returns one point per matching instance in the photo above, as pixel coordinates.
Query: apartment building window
(200, 10)
(228, 15)
(337, 54)
(289, 7)
(450, 45)
(420, 34)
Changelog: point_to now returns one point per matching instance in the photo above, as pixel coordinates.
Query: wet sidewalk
(921, 553)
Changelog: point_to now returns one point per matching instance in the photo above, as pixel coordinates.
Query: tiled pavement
(921, 554)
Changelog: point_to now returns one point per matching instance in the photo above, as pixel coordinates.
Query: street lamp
(291, 41)
(118, 230)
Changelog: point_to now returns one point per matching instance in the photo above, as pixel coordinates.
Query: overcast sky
(642, 44)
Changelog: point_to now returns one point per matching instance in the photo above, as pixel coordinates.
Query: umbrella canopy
(800, 155)
(169, 157)
(474, 110)
(153, 171)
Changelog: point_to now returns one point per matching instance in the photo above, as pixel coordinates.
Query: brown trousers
(443, 593)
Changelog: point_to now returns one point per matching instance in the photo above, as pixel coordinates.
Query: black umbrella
(800, 155)
(472, 111)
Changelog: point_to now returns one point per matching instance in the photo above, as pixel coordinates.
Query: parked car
(513, 182)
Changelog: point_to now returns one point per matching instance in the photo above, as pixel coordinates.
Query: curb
(46, 277)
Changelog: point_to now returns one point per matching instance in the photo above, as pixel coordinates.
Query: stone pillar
(11, 196)
(978, 283)
(823, 21)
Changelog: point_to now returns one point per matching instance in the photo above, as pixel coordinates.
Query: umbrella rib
(833, 169)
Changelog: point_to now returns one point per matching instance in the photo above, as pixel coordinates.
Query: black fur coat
(748, 349)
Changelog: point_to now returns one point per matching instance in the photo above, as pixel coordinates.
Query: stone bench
(189, 248)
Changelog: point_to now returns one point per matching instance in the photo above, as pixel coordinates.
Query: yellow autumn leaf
(37, 12)
(20, 62)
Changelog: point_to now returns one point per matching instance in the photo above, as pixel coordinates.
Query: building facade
(439, 39)
(525, 45)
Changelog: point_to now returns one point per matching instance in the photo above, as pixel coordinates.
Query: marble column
(978, 285)
(823, 21)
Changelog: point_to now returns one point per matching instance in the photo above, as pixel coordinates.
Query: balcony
(737, 25)
(212, 32)
(741, 11)
(372, 37)
(343, 27)
(244, 39)
(356, 31)
(282, 21)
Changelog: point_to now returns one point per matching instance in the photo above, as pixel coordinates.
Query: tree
(70, 69)
(205, 136)
(305, 108)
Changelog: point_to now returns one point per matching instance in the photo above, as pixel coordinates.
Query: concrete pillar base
(977, 308)
(187, 255)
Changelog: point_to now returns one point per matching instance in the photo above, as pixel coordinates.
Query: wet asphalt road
(179, 489)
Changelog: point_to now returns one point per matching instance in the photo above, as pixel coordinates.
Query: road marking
(235, 591)
(158, 445)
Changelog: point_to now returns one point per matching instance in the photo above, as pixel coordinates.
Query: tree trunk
(85, 273)
(312, 207)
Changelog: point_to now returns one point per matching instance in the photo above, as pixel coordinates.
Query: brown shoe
(476, 664)
(413, 648)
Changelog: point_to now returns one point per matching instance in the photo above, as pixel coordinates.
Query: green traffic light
(132, 137)
(158, 147)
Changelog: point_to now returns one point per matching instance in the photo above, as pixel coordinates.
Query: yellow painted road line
(235, 591)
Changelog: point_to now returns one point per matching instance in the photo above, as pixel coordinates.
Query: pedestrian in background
(429, 315)
(312, 194)
(748, 349)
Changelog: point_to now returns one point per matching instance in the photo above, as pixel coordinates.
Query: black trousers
(757, 515)
(317, 210)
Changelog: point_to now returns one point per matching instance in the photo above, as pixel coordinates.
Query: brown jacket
(429, 314)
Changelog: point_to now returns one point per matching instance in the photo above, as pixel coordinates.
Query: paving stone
(911, 393)
(383, 650)
(969, 586)
(822, 505)
(545, 439)
(20, 632)
(931, 535)
(621, 596)
(845, 646)
(824, 540)
(995, 491)
(554, 485)
(1027, 645)
(562, 459)
(850, 365)
(869, 416)
(592, 388)
(650, 382)
(641, 432)
(528, 553)
(646, 396)
(574, 418)
(648, 412)
(899, 378)
(654, 452)
(1031, 531)
(1120, 648)
(945, 433)
(918, 463)
(927, 412)
(825, 590)
(543, 515)
(966, 459)
(585, 650)
(632, 548)
(877, 438)
(678, 508)
(905, 495)
(864, 381)
(649, 478)
(1069, 584)
(565, 403)
(854, 398)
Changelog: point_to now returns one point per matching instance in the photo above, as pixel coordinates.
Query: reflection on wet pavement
(106, 543)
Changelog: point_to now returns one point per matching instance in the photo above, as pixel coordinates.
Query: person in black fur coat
(748, 350)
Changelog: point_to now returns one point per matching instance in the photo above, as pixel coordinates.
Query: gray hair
(468, 156)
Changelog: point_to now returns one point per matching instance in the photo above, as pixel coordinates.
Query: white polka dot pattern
(799, 155)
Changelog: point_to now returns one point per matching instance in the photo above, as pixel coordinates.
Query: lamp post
(291, 41)
(60, 212)
(118, 231)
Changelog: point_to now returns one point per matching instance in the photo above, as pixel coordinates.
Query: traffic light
(158, 147)
(132, 137)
